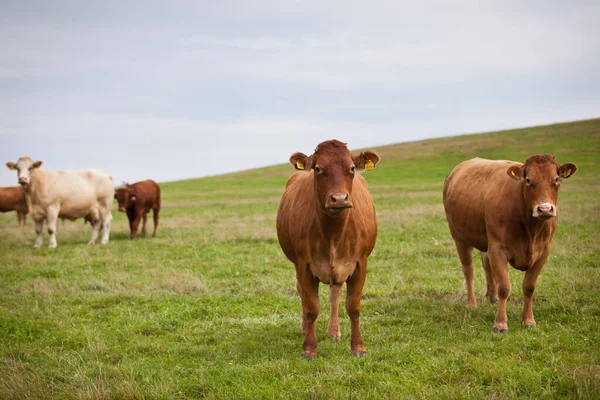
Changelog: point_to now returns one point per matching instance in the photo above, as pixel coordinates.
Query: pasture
(208, 309)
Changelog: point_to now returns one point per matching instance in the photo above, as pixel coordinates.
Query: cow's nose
(545, 210)
(339, 200)
(22, 179)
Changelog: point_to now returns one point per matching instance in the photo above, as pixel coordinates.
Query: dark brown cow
(137, 200)
(508, 211)
(327, 227)
(13, 199)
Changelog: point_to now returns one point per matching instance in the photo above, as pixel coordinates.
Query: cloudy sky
(178, 89)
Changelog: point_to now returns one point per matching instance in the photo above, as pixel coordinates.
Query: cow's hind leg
(354, 286)
(465, 253)
(39, 227)
(499, 269)
(155, 215)
(309, 293)
(333, 330)
(302, 319)
(529, 282)
(145, 219)
(94, 218)
(492, 287)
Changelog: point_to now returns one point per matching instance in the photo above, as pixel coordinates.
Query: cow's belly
(78, 207)
(332, 275)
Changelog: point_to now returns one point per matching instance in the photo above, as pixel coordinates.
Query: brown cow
(327, 227)
(508, 212)
(13, 199)
(137, 200)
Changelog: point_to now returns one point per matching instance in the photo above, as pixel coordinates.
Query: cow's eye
(528, 181)
(318, 169)
(556, 180)
(353, 169)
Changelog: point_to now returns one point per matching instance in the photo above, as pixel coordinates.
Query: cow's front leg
(529, 282)
(106, 224)
(39, 227)
(354, 290)
(52, 218)
(309, 294)
(499, 269)
(333, 330)
(134, 225)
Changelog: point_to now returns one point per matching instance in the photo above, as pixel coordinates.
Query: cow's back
(148, 193)
(473, 187)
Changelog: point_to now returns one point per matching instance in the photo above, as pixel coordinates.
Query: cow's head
(122, 195)
(540, 178)
(24, 166)
(334, 168)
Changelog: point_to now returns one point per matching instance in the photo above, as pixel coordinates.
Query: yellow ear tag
(369, 166)
(512, 173)
(299, 165)
(568, 173)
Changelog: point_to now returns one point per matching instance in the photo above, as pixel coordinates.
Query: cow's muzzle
(544, 211)
(23, 180)
(338, 201)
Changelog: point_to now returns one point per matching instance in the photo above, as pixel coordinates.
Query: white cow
(66, 194)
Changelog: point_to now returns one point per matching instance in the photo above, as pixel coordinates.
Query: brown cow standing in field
(508, 212)
(13, 199)
(327, 227)
(65, 194)
(137, 200)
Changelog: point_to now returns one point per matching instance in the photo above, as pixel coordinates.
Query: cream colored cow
(68, 195)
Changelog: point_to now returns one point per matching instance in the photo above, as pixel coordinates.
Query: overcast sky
(178, 89)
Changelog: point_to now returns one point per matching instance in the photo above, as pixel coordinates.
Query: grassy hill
(209, 310)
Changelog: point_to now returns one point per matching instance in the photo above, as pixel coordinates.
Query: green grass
(208, 309)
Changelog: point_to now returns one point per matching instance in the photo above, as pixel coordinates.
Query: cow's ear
(515, 172)
(300, 161)
(567, 170)
(11, 165)
(36, 164)
(366, 160)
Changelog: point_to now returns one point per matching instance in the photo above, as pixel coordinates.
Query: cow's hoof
(471, 306)
(335, 335)
(529, 325)
(91, 243)
(37, 246)
(500, 329)
(360, 353)
(309, 354)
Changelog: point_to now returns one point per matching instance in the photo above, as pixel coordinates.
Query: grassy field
(208, 309)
